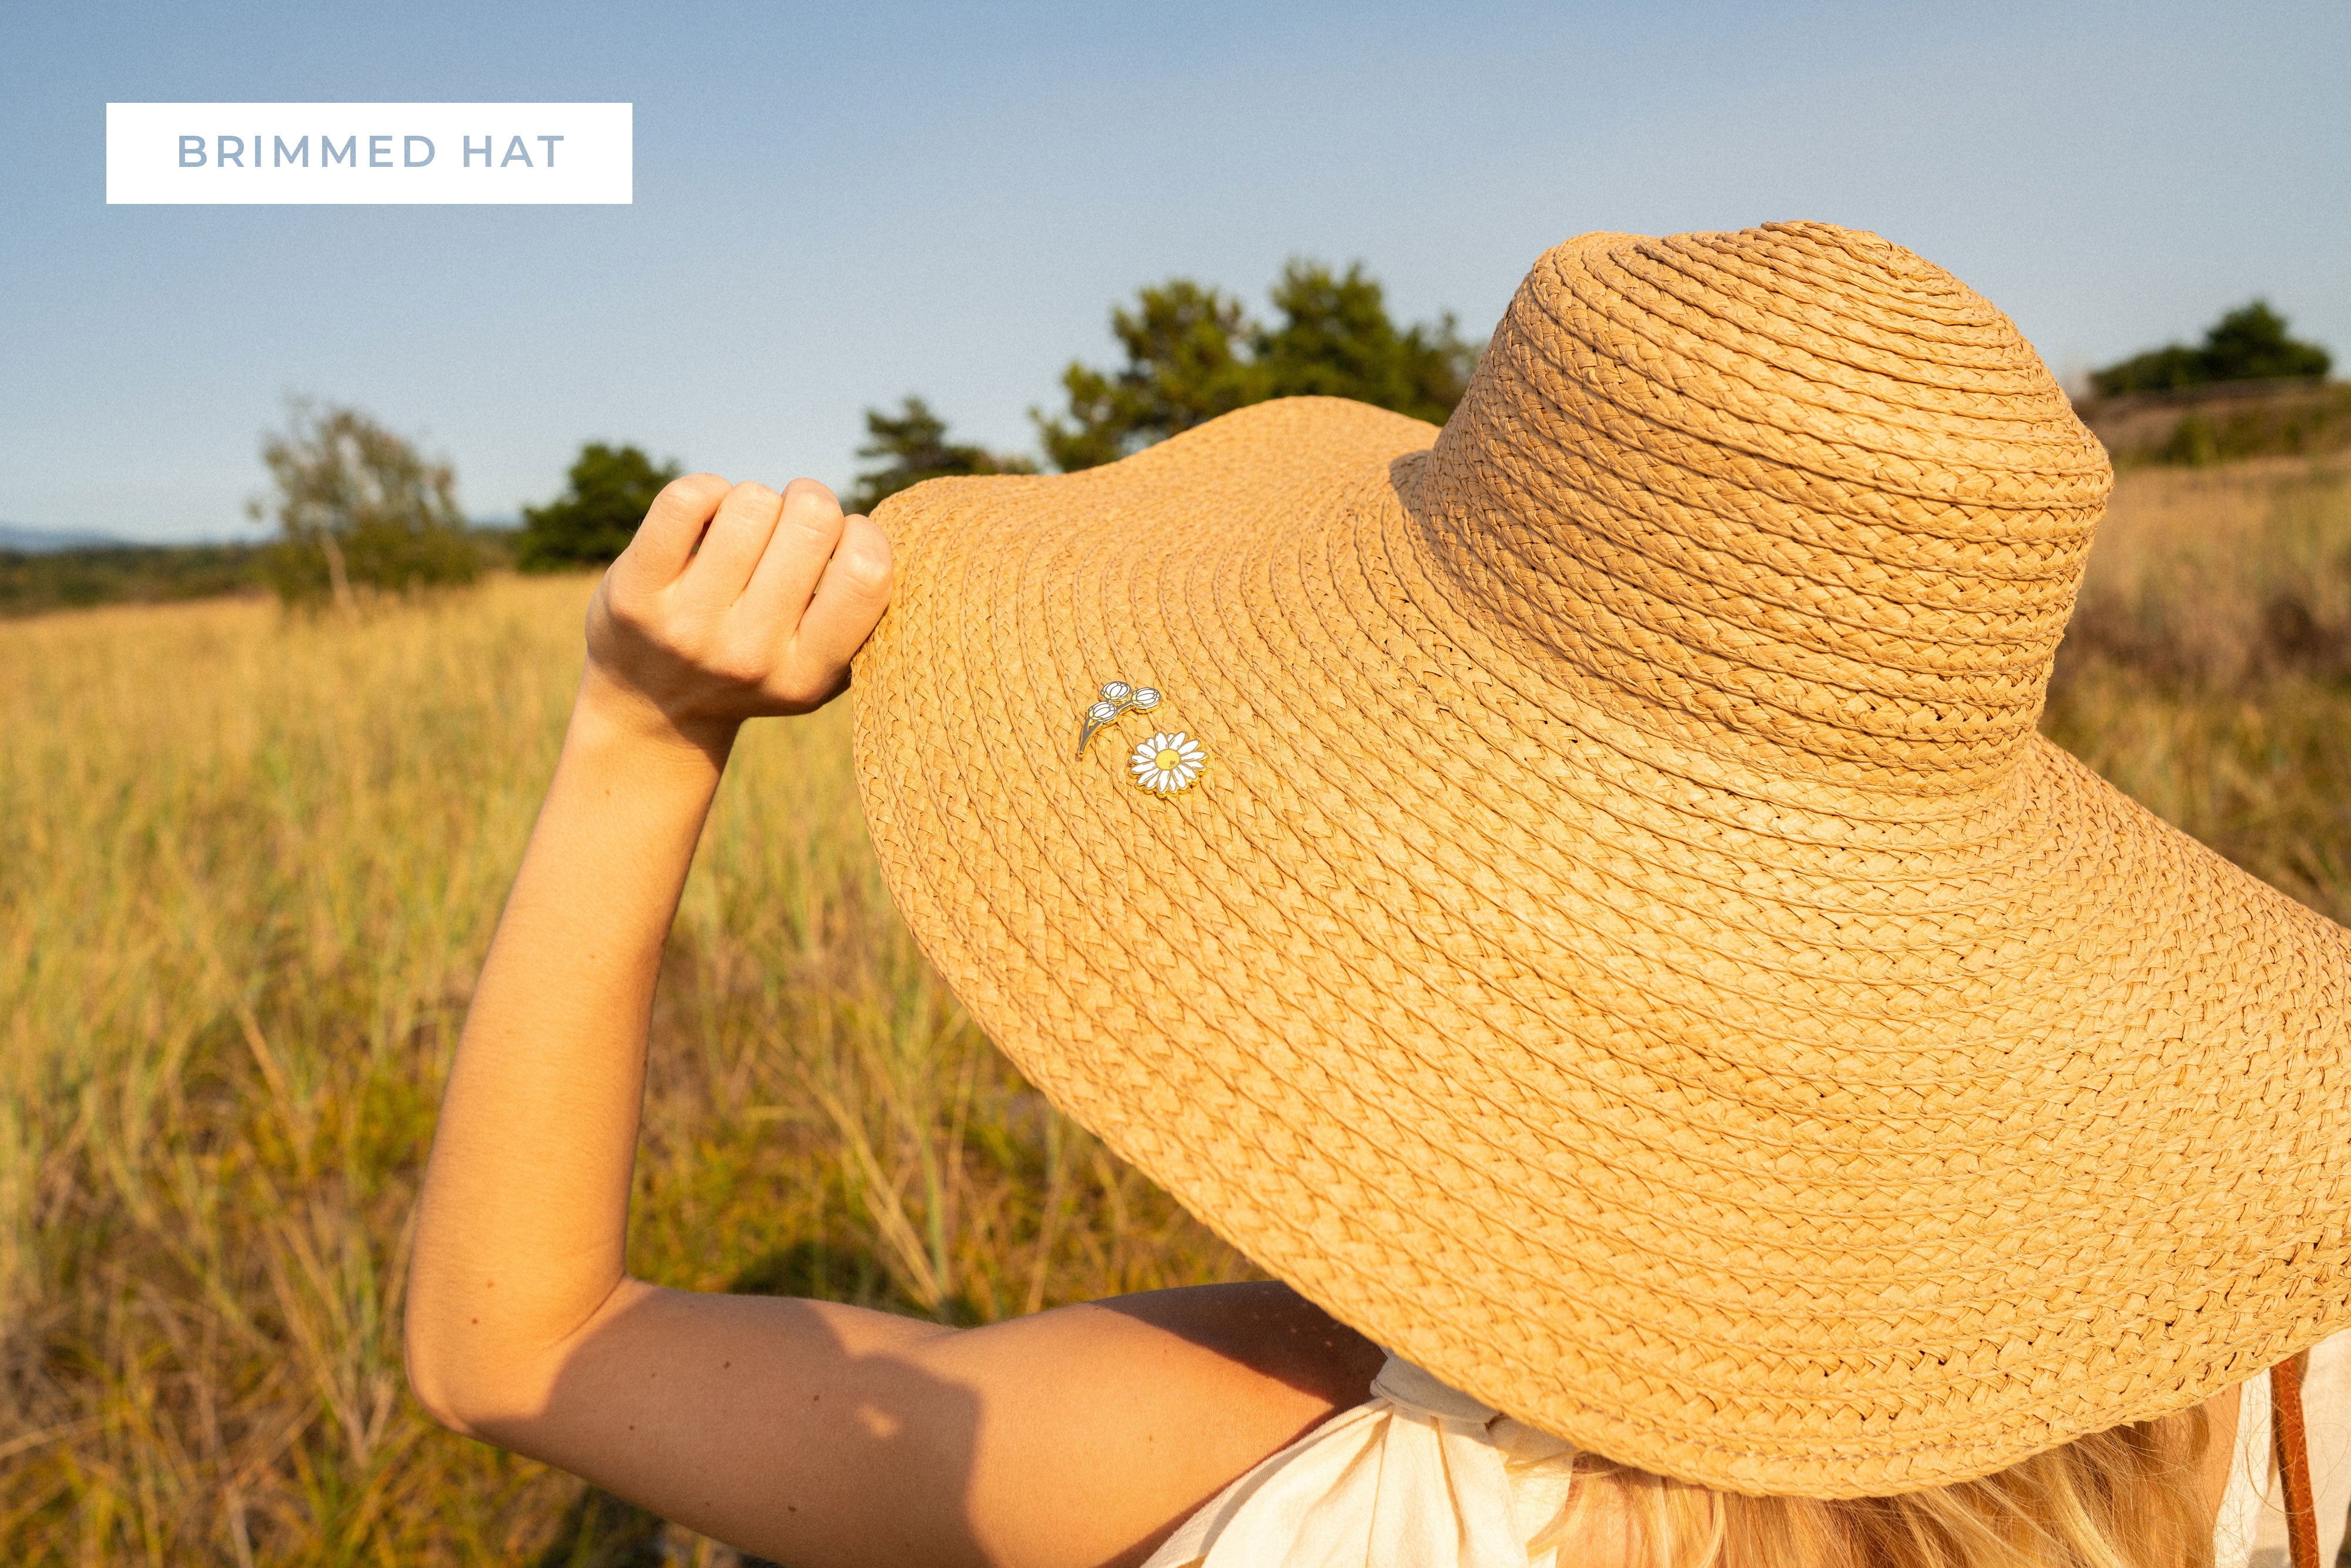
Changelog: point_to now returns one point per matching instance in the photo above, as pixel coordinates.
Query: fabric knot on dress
(1419, 1394)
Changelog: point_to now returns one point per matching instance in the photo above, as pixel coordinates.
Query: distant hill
(44, 570)
(2217, 424)
(43, 541)
(71, 576)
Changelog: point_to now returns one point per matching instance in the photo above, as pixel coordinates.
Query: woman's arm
(807, 1431)
(731, 602)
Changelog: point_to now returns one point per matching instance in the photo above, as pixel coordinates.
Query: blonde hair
(2127, 1498)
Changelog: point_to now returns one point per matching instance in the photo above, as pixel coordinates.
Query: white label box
(373, 154)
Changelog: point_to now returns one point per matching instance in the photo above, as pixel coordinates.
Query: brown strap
(2293, 1444)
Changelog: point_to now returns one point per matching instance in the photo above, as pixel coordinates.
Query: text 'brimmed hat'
(1617, 938)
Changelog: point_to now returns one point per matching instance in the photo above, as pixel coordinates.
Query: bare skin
(807, 1432)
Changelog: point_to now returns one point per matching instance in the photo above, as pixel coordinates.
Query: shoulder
(1103, 1425)
(1262, 1342)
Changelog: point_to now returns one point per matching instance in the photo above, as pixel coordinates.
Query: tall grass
(2208, 668)
(247, 867)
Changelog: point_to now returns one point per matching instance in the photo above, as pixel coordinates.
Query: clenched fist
(734, 602)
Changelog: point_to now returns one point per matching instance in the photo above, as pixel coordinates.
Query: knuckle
(807, 492)
(796, 689)
(812, 512)
(649, 619)
(689, 488)
(628, 612)
(865, 569)
(750, 497)
(736, 665)
(818, 533)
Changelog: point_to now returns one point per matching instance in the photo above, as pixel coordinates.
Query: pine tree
(606, 495)
(1192, 353)
(2248, 344)
(915, 443)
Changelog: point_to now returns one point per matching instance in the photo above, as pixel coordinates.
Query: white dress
(1422, 1476)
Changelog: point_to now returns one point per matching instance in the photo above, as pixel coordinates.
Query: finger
(664, 540)
(807, 534)
(844, 609)
(731, 547)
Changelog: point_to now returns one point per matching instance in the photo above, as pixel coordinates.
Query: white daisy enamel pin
(1166, 764)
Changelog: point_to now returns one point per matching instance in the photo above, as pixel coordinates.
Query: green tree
(1188, 361)
(357, 506)
(1336, 340)
(606, 495)
(916, 445)
(2250, 343)
(1192, 353)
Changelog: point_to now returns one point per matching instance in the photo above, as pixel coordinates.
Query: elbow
(439, 1382)
(472, 1399)
(483, 1369)
(472, 1385)
(452, 1357)
(478, 1375)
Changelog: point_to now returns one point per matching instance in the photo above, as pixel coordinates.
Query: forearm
(522, 1228)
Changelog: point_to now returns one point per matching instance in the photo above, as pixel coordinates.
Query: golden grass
(249, 864)
(247, 867)
(2207, 669)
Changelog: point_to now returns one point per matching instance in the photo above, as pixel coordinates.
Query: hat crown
(1790, 490)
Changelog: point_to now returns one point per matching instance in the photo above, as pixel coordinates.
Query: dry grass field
(249, 864)
(2208, 668)
(247, 867)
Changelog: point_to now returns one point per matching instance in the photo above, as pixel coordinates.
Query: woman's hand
(734, 602)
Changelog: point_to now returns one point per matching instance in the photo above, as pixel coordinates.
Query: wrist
(607, 713)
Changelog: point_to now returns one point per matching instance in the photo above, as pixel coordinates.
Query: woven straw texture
(1629, 951)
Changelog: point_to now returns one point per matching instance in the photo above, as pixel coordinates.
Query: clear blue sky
(836, 206)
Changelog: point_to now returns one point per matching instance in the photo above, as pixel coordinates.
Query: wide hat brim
(1773, 1133)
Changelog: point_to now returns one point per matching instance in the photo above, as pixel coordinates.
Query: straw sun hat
(1579, 894)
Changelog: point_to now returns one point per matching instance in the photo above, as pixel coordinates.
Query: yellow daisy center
(1169, 759)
